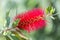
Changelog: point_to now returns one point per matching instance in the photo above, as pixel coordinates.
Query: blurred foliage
(2, 37)
(31, 4)
(10, 8)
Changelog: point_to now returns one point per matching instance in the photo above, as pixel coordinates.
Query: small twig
(9, 29)
(21, 34)
(16, 29)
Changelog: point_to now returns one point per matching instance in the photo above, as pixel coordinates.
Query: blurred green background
(10, 8)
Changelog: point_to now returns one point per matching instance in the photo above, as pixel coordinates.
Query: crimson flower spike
(31, 20)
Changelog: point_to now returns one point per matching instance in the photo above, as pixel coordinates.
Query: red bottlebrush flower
(31, 20)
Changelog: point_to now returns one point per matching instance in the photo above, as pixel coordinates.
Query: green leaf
(7, 18)
(15, 23)
(50, 10)
(52, 17)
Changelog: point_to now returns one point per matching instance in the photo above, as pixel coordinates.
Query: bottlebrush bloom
(31, 20)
